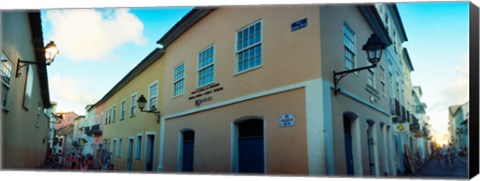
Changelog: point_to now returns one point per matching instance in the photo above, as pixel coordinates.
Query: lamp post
(374, 48)
(50, 52)
(141, 105)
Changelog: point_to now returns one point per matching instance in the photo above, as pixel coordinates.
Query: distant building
(458, 125)
(64, 133)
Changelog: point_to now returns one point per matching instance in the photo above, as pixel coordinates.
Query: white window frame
(352, 50)
(200, 69)
(133, 104)
(27, 94)
(371, 75)
(114, 112)
(155, 83)
(123, 109)
(6, 85)
(182, 78)
(237, 51)
(138, 147)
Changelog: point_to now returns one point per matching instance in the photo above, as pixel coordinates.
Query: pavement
(439, 169)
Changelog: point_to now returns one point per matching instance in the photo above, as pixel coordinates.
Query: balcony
(395, 109)
(96, 129)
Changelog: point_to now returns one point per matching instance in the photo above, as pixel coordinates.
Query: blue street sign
(299, 24)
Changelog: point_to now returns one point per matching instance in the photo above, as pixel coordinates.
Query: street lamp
(141, 105)
(50, 52)
(374, 48)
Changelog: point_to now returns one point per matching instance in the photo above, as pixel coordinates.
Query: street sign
(287, 120)
(299, 24)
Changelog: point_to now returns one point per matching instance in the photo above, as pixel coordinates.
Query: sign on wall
(287, 120)
(400, 127)
(299, 24)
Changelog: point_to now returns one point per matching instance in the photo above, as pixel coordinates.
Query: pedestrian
(452, 153)
(445, 153)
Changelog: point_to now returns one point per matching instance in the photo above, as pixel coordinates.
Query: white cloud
(458, 89)
(70, 94)
(88, 34)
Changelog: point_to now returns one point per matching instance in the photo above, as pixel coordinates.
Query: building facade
(458, 127)
(265, 81)
(25, 96)
(130, 137)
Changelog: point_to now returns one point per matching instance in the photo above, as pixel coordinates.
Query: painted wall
(288, 57)
(213, 135)
(142, 123)
(24, 131)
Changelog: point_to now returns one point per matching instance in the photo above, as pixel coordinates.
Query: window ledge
(372, 91)
(245, 71)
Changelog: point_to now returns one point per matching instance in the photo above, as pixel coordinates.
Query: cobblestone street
(458, 169)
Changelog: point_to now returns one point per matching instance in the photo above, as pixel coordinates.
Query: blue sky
(98, 47)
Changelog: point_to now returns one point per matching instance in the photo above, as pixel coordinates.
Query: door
(348, 146)
(187, 155)
(149, 153)
(130, 154)
(251, 147)
(371, 155)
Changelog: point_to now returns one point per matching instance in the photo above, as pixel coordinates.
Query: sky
(100, 46)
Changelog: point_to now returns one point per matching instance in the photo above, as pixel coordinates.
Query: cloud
(70, 94)
(88, 34)
(457, 91)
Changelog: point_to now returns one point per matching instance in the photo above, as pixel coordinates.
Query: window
(153, 93)
(27, 96)
(101, 118)
(249, 47)
(122, 113)
(371, 76)
(178, 80)
(114, 110)
(395, 41)
(349, 45)
(133, 104)
(119, 148)
(382, 81)
(6, 73)
(206, 67)
(138, 152)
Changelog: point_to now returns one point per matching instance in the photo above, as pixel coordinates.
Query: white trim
(316, 106)
(180, 152)
(183, 62)
(162, 144)
(148, 97)
(122, 117)
(153, 154)
(236, 51)
(131, 103)
(205, 66)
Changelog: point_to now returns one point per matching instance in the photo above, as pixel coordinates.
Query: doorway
(187, 152)
(251, 154)
(149, 152)
(130, 154)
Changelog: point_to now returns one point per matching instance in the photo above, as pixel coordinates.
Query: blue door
(250, 147)
(251, 157)
(188, 156)
(349, 154)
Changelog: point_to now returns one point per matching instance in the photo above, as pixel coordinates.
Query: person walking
(452, 153)
(445, 153)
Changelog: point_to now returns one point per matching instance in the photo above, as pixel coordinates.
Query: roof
(407, 59)
(370, 14)
(144, 64)
(190, 19)
(453, 109)
(39, 48)
(398, 22)
(66, 130)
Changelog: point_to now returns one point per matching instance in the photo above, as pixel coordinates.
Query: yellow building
(251, 89)
(129, 135)
(25, 95)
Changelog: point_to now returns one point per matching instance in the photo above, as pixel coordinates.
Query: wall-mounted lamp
(50, 52)
(141, 105)
(374, 48)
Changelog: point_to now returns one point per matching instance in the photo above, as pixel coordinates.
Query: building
(421, 119)
(458, 125)
(130, 137)
(64, 131)
(237, 90)
(25, 93)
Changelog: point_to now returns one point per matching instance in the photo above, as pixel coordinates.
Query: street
(440, 169)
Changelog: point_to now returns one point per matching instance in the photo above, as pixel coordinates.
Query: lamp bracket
(19, 66)
(156, 112)
(337, 76)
